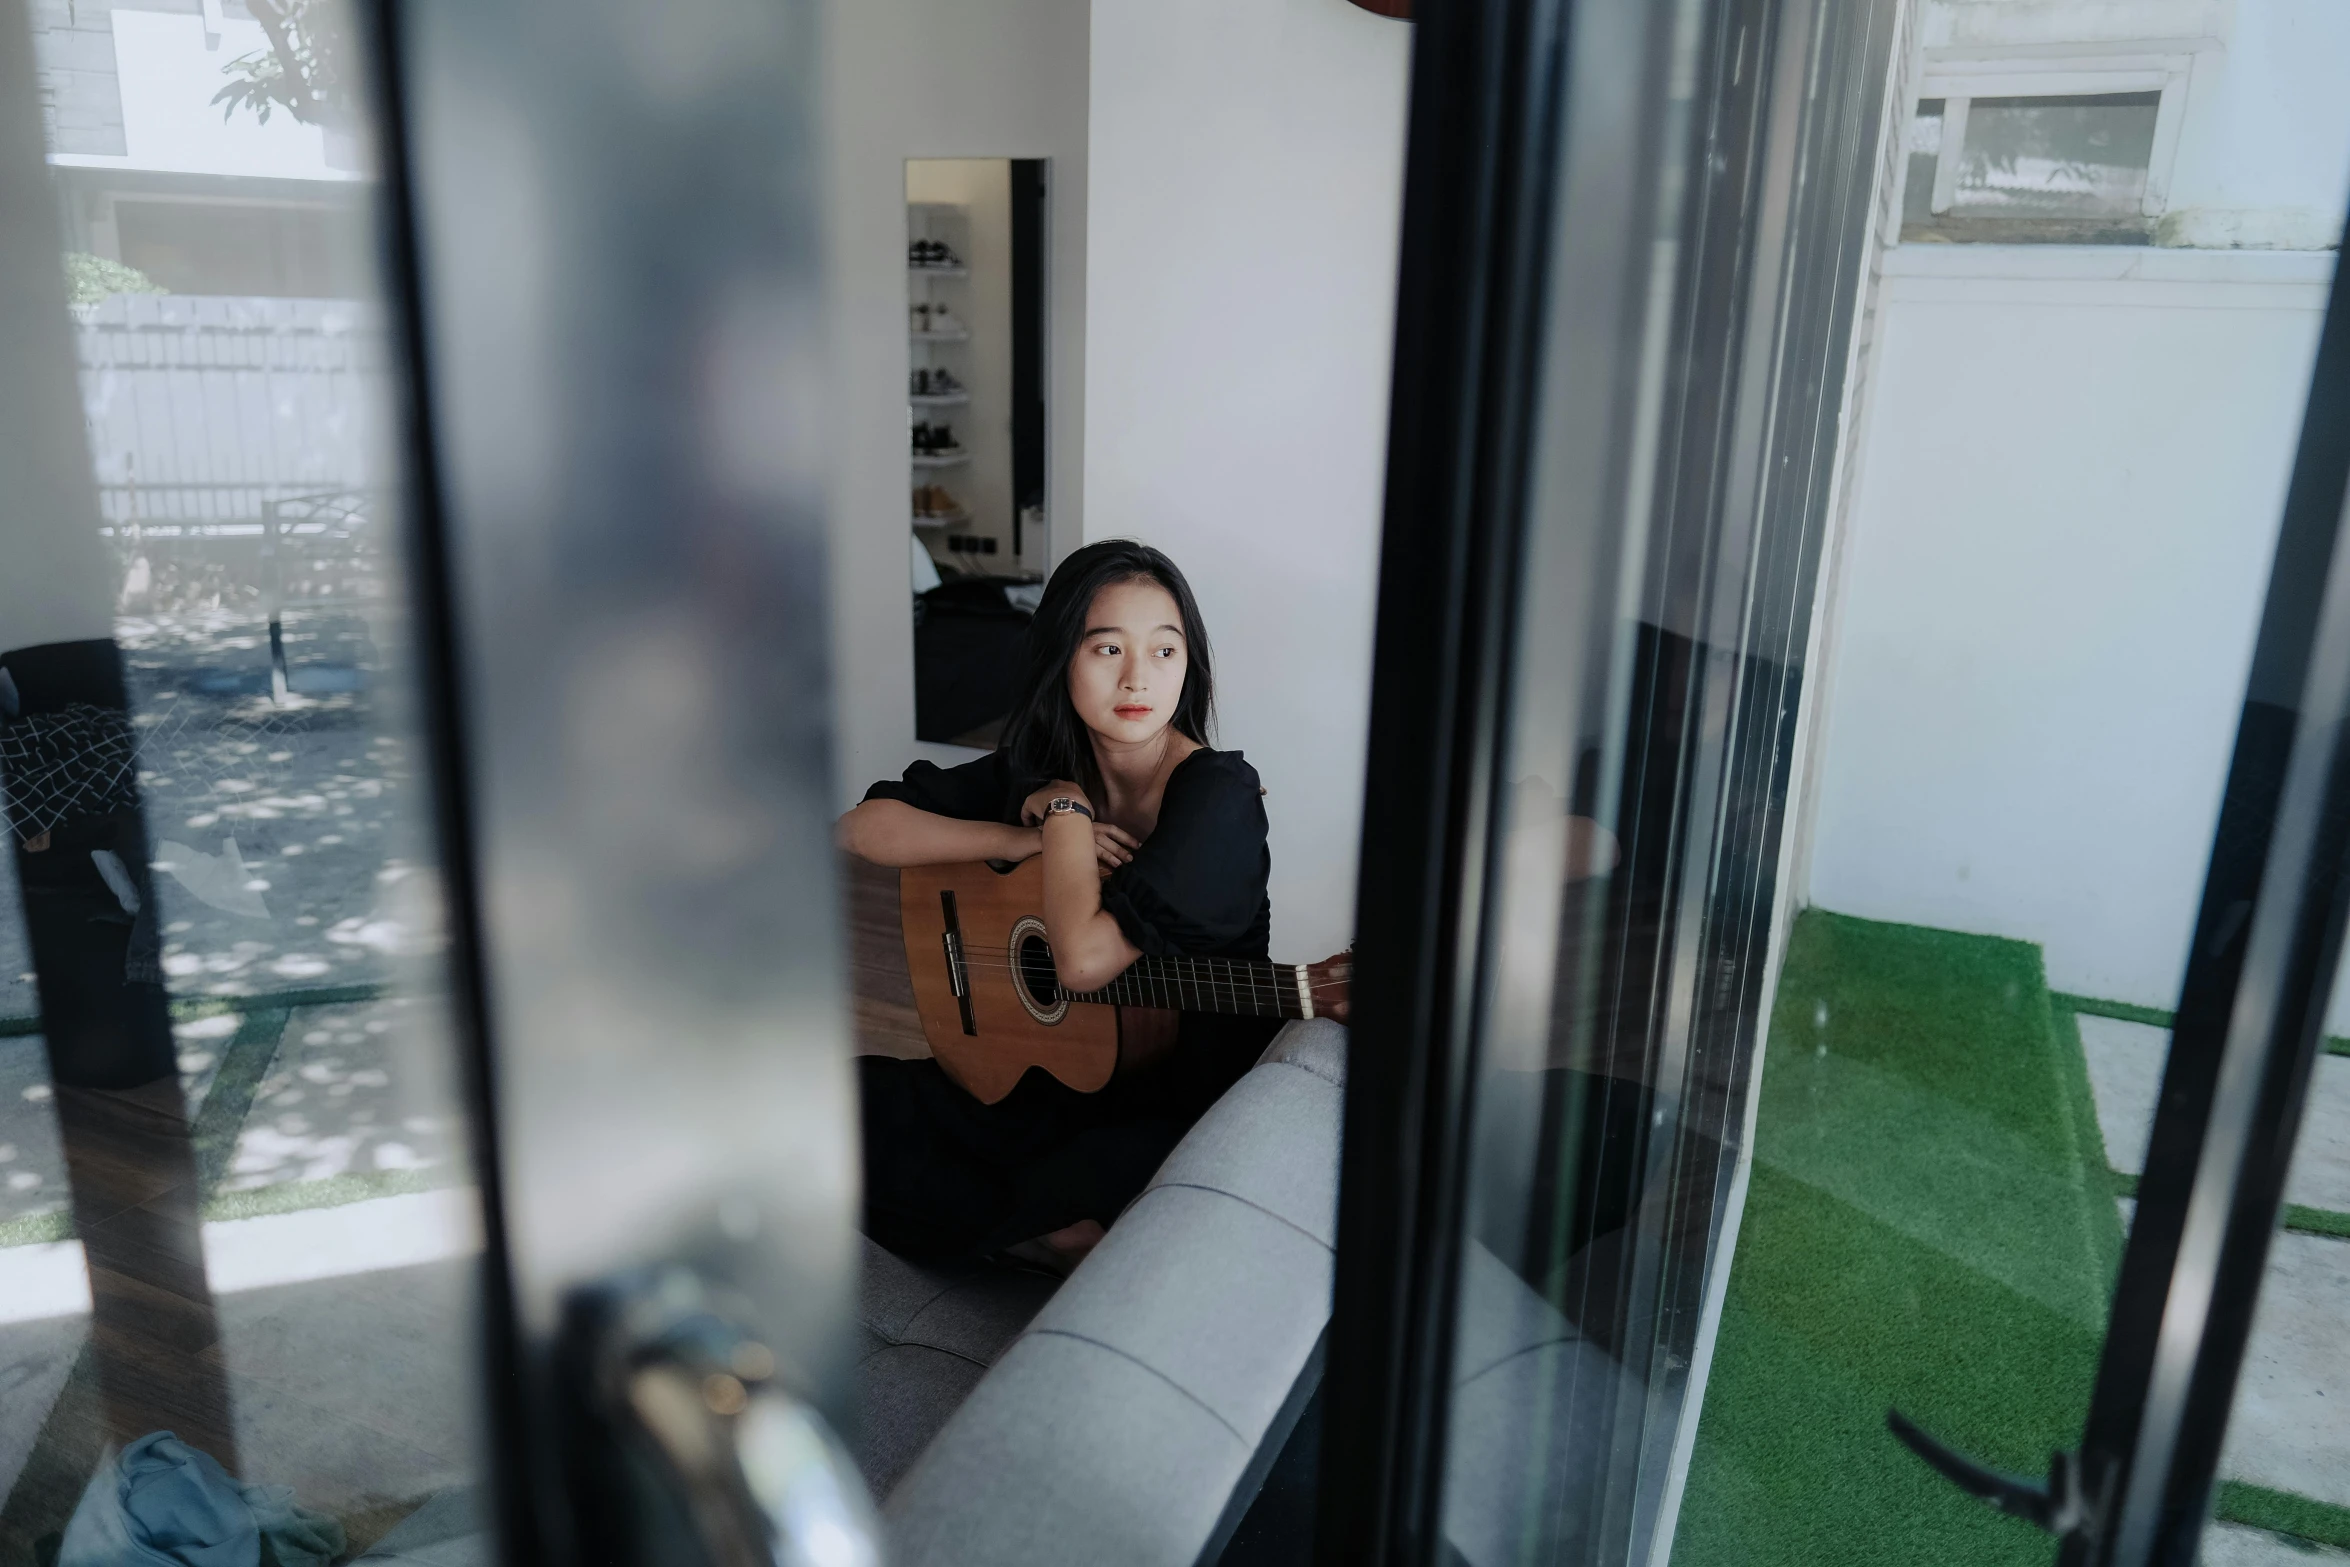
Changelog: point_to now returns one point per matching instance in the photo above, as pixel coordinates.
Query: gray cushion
(1219, 1297)
(1273, 1146)
(905, 1392)
(1318, 1047)
(973, 1310)
(1116, 1427)
(928, 1335)
(1067, 1452)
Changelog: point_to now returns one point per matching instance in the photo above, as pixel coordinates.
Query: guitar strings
(1285, 972)
(1278, 979)
(1283, 986)
(1283, 975)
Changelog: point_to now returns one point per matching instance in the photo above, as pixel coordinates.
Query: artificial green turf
(32, 1229)
(2316, 1221)
(1928, 1227)
(2284, 1513)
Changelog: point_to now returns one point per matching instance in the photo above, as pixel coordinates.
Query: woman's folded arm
(891, 832)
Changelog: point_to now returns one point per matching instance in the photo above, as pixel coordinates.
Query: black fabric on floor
(969, 645)
(930, 1333)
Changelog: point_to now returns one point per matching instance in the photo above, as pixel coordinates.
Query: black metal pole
(2268, 936)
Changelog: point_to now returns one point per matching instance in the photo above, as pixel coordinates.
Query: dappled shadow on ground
(285, 829)
(354, 1091)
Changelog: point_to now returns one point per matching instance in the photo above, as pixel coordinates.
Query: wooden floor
(151, 1359)
(886, 1022)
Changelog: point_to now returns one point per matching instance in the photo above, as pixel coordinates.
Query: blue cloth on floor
(162, 1503)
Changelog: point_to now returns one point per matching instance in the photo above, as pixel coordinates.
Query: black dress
(947, 1176)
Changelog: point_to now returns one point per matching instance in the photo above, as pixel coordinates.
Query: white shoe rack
(933, 350)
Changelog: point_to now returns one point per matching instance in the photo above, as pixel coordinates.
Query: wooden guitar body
(1009, 1013)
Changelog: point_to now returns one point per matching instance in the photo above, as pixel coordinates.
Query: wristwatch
(1063, 805)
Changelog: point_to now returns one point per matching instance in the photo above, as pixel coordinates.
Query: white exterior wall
(1246, 198)
(932, 79)
(2264, 153)
(2053, 571)
(2063, 511)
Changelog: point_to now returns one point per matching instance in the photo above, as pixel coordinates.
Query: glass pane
(235, 1201)
(1839, 934)
(1924, 150)
(2015, 766)
(2057, 157)
(1638, 824)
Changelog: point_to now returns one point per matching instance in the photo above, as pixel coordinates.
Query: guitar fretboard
(1243, 986)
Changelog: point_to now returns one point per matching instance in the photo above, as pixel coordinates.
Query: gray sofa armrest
(1115, 1428)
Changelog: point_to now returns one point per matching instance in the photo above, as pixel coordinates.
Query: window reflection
(237, 1244)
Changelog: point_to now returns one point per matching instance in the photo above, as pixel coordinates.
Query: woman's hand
(1113, 845)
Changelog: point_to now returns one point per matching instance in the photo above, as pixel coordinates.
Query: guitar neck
(1243, 986)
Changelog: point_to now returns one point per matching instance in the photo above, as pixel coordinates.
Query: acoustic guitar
(992, 1006)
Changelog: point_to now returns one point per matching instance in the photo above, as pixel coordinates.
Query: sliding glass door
(1779, 855)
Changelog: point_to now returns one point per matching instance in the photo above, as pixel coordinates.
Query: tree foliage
(304, 71)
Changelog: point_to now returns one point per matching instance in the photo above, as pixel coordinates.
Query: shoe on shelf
(925, 440)
(944, 384)
(919, 385)
(943, 320)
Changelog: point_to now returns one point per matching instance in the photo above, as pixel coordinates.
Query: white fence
(203, 411)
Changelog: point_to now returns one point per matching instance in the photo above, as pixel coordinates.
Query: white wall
(2264, 149)
(2063, 510)
(932, 79)
(2066, 510)
(1246, 193)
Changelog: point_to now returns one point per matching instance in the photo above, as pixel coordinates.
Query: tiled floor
(2125, 1070)
(2227, 1545)
(2291, 1427)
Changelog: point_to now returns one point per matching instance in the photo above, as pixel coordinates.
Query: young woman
(1153, 843)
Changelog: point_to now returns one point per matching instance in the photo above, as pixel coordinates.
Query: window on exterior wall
(2069, 169)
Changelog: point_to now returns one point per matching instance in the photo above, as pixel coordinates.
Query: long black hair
(1044, 735)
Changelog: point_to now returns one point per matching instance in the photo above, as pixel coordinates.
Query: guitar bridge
(958, 975)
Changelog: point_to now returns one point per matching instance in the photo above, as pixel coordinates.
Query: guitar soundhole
(1033, 979)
